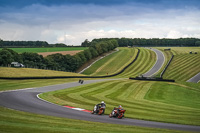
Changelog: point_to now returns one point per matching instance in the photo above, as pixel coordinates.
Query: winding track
(27, 100)
(157, 66)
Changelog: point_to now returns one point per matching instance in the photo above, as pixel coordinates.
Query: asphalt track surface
(27, 100)
(157, 66)
(195, 79)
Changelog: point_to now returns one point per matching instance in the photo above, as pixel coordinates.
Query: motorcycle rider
(118, 109)
(100, 105)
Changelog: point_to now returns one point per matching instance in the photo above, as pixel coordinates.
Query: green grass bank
(155, 101)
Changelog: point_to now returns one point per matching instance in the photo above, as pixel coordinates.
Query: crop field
(30, 72)
(112, 63)
(51, 49)
(166, 102)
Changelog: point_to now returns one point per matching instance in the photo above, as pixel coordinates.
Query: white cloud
(73, 24)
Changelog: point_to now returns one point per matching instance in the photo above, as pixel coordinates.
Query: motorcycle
(99, 111)
(119, 114)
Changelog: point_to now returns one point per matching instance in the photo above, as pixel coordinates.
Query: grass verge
(21, 122)
(21, 84)
(30, 72)
(144, 63)
(156, 101)
(113, 63)
(183, 67)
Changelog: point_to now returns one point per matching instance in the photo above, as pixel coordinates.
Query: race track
(27, 100)
(157, 66)
(195, 79)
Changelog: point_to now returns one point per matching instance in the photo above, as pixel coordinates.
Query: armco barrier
(152, 79)
(58, 77)
(166, 66)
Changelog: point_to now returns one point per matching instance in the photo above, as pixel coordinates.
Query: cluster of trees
(12, 44)
(148, 42)
(57, 61)
(23, 44)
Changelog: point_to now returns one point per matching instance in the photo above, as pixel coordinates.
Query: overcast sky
(73, 21)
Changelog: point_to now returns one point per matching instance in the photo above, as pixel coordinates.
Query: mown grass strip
(180, 50)
(145, 61)
(155, 101)
(112, 63)
(30, 72)
(21, 122)
(21, 84)
(183, 67)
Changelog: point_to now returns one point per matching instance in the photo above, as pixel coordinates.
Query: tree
(82, 57)
(104, 46)
(86, 43)
(1, 42)
(87, 54)
(98, 48)
(15, 56)
(78, 60)
(93, 52)
(114, 43)
(197, 43)
(32, 59)
(5, 58)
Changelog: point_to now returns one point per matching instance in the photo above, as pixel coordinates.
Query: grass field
(144, 63)
(30, 72)
(184, 65)
(22, 122)
(21, 84)
(51, 49)
(115, 62)
(155, 101)
(182, 50)
(112, 63)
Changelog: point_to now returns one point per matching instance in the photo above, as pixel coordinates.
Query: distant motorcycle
(117, 113)
(98, 110)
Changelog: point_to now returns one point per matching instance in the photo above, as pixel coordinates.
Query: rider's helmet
(102, 101)
(120, 107)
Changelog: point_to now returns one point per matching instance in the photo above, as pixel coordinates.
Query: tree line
(19, 44)
(57, 61)
(124, 42)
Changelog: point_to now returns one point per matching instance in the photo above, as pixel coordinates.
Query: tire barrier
(152, 79)
(57, 77)
(166, 66)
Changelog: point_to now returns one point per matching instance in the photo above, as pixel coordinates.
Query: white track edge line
(193, 77)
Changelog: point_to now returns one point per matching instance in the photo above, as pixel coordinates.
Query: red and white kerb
(79, 109)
